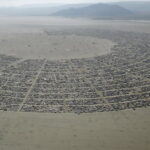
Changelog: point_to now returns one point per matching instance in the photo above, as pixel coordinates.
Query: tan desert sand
(26, 37)
(38, 45)
(125, 130)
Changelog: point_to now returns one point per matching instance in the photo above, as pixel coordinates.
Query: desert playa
(74, 84)
(106, 131)
(28, 38)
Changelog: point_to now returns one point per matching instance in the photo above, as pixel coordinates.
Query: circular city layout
(113, 81)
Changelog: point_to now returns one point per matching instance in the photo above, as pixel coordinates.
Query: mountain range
(116, 10)
(99, 10)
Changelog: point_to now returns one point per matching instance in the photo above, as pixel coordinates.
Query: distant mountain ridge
(95, 11)
(136, 6)
(139, 10)
(37, 9)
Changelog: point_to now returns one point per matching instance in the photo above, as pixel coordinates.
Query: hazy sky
(22, 2)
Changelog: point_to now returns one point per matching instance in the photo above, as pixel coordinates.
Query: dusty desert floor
(126, 130)
(27, 38)
(30, 37)
(36, 45)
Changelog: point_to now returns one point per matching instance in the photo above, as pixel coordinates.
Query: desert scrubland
(74, 84)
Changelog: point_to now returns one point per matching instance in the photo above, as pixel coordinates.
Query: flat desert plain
(30, 37)
(126, 130)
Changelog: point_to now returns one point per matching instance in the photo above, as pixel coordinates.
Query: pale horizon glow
(8, 3)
